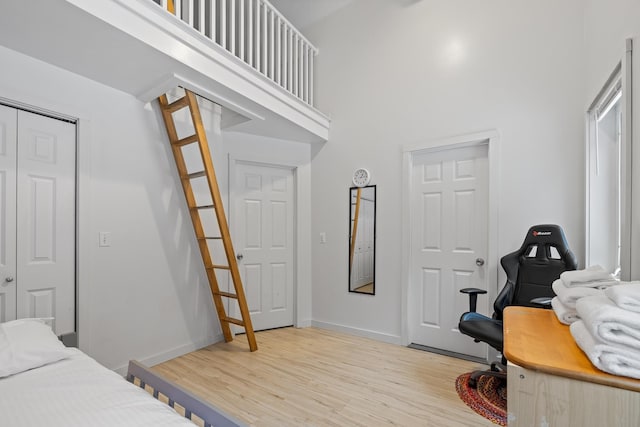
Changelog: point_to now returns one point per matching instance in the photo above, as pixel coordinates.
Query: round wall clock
(361, 177)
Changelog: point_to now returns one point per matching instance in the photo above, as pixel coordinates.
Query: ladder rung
(210, 238)
(196, 175)
(185, 141)
(221, 267)
(234, 321)
(203, 207)
(226, 294)
(177, 105)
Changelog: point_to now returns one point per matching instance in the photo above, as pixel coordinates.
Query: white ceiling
(303, 13)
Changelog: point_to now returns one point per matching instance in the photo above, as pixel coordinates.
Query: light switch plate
(104, 239)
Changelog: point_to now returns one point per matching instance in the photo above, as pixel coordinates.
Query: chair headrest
(546, 234)
(545, 243)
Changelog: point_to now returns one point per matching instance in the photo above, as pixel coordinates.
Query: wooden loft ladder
(199, 137)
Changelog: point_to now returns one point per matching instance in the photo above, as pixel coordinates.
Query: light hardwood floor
(315, 377)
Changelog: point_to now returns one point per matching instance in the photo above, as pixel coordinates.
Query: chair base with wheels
(498, 370)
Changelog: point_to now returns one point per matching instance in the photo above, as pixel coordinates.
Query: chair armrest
(544, 302)
(473, 296)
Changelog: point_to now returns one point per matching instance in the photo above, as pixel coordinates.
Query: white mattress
(79, 392)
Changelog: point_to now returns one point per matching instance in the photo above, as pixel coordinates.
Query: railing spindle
(272, 45)
(311, 65)
(301, 66)
(178, 6)
(191, 10)
(296, 69)
(302, 70)
(213, 20)
(241, 31)
(232, 26)
(250, 34)
(264, 39)
(285, 56)
(290, 62)
(305, 91)
(258, 33)
(201, 17)
(223, 24)
(279, 51)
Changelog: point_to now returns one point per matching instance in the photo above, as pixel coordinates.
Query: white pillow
(26, 344)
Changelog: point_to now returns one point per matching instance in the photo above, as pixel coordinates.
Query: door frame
(299, 237)
(491, 138)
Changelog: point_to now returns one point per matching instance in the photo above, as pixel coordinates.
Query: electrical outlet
(104, 239)
(323, 237)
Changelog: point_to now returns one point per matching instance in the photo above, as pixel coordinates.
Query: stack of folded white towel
(609, 329)
(577, 284)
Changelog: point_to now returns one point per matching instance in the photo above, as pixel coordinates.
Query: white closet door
(8, 122)
(46, 223)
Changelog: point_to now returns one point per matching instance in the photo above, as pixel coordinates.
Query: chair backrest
(531, 270)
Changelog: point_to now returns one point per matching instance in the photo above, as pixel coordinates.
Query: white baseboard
(304, 323)
(172, 353)
(378, 336)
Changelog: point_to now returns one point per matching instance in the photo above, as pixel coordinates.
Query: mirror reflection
(362, 238)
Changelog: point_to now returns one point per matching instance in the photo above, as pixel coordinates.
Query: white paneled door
(449, 222)
(38, 242)
(263, 223)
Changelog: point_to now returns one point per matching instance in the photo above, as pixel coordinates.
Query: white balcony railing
(255, 32)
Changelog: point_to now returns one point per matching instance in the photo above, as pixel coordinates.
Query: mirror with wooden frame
(362, 239)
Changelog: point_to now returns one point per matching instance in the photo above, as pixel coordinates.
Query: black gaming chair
(530, 270)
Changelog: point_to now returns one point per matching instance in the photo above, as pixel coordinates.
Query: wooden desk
(552, 383)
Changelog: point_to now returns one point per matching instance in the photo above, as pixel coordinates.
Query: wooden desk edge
(584, 371)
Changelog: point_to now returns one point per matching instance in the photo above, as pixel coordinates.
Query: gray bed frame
(192, 404)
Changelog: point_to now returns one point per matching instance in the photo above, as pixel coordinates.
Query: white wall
(146, 296)
(396, 73)
(608, 23)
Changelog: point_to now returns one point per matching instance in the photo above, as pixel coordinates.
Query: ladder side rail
(220, 216)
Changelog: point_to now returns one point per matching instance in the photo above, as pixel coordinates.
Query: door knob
(239, 257)
(479, 262)
(8, 279)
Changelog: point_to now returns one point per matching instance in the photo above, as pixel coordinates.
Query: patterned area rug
(488, 400)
